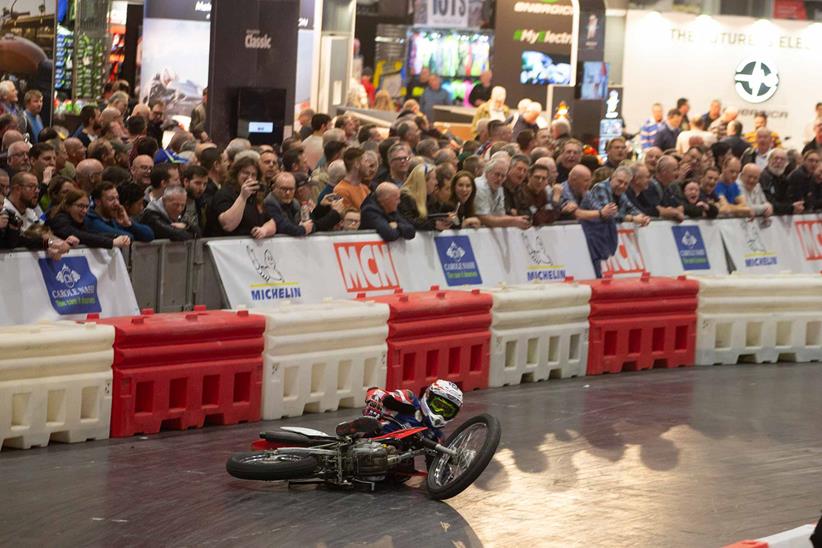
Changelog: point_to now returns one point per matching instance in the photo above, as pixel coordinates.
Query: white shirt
(29, 216)
(486, 201)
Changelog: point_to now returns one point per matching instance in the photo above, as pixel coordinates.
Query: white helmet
(441, 402)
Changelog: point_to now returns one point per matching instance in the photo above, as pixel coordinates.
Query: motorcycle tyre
(477, 467)
(270, 471)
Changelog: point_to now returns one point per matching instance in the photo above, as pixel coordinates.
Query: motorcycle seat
(367, 426)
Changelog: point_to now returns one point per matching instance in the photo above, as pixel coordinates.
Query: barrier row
(68, 381)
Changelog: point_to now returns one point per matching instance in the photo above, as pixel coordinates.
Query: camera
(15, 222)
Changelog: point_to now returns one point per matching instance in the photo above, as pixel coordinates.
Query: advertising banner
(756, 246)
(447, 13)
(534, 46)
(83, 282)
(753, 64)
(259, 273)
(175, 52)
(804, 238)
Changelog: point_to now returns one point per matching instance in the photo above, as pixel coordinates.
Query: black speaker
(261, 115)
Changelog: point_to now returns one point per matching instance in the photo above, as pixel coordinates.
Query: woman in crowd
(696, 207)
(58, 187)
(383, 102)
(237, 208)
(463, 190)
(68, 219)
(418, 200)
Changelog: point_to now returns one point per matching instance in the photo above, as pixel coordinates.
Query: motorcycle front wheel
(475, 441)
(270, 466)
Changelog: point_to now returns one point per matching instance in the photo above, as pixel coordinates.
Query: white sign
(84, 281)
(447, 13)
(719, 57)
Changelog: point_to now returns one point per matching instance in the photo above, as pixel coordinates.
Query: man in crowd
(569, 156)
(379, 212)
(760, 122)
(609, 201)
(489, 202)
(714, 111)
(164, 216)
(644, 201)
(22, 199)
(734, 138)
(750, 189)
(719, 127)
(284, 209)
(774, 183)
(666, 136)
(156, 120)
(141, 168)
(573, 193)
(540, 197)
(352, 189)
(18, 158)
(398, 158)
(684, 107)
(34, 105)
(89, 125)
(162, 176)
(802, 184)
(517, 173)
(313, 145)
(215, 162)
(758, 153)
(195, 180)
(89, 174)
(481, 92)
(528, 119)
(731, 201)
(108, 216)
(648, 131)
(433, 95)
(43, 162)
(409, 134)
(664, 192)
(816, 142)
(617, 151)
(75, 151)
(348, 124)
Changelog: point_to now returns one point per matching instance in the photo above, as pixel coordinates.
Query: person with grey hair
(758, 153)
(528, 118)
(17, 158)
(636, 193)
(427, 148)
(664, 192)
(253, 154)
(235, 146)
(774, 183)
(446, 156)
(9, 104)
(164, 216)
(608, 198)
(380, 212)
(10, 137)
(489, 202)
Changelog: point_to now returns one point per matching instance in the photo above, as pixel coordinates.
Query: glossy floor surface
(697, 457)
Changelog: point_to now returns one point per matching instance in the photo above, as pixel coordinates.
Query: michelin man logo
(753, 238)
(267, 268)
(689, 240)
(536, 250)
(455, 252)
(68, 277)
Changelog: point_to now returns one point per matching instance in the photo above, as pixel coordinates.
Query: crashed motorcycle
(362, 454)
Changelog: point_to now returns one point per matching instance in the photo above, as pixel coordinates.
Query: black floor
(696, 457)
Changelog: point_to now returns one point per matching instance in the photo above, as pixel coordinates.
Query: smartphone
(333, 196)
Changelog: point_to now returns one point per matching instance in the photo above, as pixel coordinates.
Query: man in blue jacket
(668, 132)
(109, 217)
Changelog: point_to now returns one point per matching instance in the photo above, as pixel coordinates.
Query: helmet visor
(443, 407)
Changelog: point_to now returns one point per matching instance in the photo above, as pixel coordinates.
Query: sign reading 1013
(447, 13)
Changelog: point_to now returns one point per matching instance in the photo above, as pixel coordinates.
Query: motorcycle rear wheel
(476, 439)
(270, 466)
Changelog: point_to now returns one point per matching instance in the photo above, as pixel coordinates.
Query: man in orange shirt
(351, 189)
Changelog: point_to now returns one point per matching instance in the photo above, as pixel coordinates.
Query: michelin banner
(259, 273)
(85, 281)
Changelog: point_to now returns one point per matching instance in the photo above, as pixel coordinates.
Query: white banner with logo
(759, 246)
(258, 273)
(85, 281)
(664, 248)
(804, 236)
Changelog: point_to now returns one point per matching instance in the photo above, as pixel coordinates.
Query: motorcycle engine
(370, 459)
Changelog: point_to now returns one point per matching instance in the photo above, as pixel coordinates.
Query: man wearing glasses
(22, 200)
(18, 157)
(398, 157)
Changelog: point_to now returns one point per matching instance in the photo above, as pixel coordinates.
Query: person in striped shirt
(648, 131)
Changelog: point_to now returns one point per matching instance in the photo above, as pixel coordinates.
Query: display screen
(594, 81)
(542, 68)
(450, 54)
(260, 127)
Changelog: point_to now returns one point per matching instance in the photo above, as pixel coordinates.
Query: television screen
(542, 69)
(449, 54)
(594, 81)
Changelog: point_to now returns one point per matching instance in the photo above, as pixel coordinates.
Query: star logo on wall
(756, 80)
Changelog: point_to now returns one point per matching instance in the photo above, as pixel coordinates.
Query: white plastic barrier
(795, 538)
(320, 357)
(539, 331)
(55, 383)
(763, 319)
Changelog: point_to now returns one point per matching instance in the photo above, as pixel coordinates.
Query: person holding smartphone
(237, 208)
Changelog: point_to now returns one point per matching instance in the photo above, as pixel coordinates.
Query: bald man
(89, 174)
(10, 137)
(75, 150)
(573, 192)
(379, 212)
(18, 157)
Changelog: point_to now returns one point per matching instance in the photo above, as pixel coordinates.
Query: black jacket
(63, 226)
(159, 222)
(287, 217)
(803, 187)
(375, 218)
(775, 188)
(325, 218)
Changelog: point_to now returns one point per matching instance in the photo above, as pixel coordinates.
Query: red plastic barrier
(641, 323)
(183, 370)
(438, 334)
(748, 544)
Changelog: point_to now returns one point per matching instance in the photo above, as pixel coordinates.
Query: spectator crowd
(129, 174)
